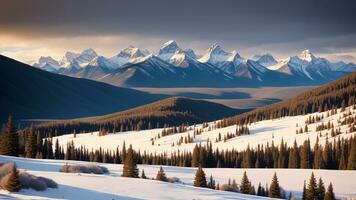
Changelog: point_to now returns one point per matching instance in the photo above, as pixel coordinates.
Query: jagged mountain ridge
(174, 66)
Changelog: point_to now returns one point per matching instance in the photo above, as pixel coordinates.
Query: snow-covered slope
(261, 133)
(112, 186)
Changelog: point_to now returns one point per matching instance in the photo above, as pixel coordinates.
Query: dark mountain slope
(336, 94)
(28, 92)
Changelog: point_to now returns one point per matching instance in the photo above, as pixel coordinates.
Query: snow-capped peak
(69, 57)
(90, 52)
(267, 60)
(169, 47)
(215, 55)
(47, 59)
(131, 52)
(307, 55)
(216, 49)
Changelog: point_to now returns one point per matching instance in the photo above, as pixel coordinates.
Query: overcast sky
(31, 28)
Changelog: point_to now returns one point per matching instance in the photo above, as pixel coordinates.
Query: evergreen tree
(9, 140)
(130, 165)
(351, 164)
(259, 190)
(305, 161)
(195, 156)
(30, 146)
(57, 150)
(304, 195)
(143, 175)
(329, 195)
(321, 189)
(211, 183)
(245, 186)
(13, 182)
(274, 190)
(200, 179)
(161, 176)
(311, 192)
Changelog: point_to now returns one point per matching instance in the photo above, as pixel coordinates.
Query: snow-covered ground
(112, 186)
(261, 133)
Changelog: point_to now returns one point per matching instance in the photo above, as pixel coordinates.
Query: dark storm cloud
(250, 22)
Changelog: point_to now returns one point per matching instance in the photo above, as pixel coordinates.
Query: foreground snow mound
(113, 186)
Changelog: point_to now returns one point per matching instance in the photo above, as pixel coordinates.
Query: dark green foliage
(274, 189)
(161, 176)
(130, 165)
(9, 139)
(200, 179)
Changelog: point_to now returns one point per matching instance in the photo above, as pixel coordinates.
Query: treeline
(338, 94)
(313, 191)
(339, 154)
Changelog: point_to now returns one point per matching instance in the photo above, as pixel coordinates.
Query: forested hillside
(168, 112)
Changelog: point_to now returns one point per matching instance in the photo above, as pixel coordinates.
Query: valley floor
(233, 97)
(112, 186)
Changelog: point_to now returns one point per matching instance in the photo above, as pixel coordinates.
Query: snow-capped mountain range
(175, 66)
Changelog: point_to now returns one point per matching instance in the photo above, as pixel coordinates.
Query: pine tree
(259, 190)
(311, 192)
(13, 182)
(130, 165)
(161, 176)
(200, 179)
(305, 161)
(351, 164)
(321, 189)
(304, 195)
(30, 146)
(245, 186)
(195, 157)
(143, 175)
(57, 150)
(211, 183)
(329, 195)
(274, 190)
(9, 140)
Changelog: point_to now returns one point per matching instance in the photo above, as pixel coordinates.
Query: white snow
(261, 133)
(112, 186)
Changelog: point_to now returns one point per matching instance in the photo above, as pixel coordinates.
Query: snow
(307, 55)
(112, 186)
(261, 133)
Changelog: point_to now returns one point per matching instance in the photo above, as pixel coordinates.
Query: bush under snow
(81, 168)
(26, 180)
